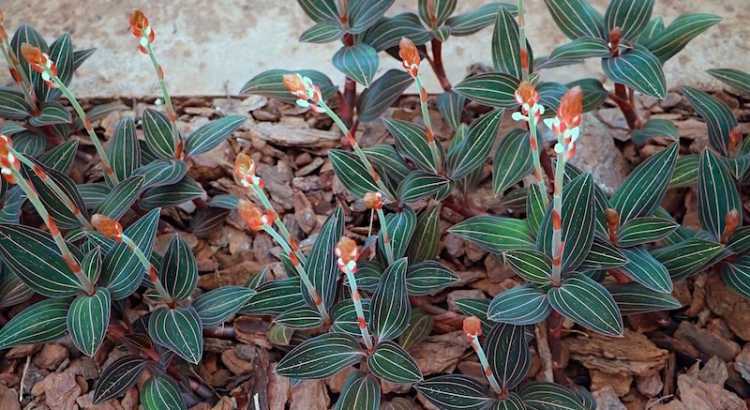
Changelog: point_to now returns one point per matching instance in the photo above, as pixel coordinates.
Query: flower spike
(347, 253)
(409, 56)
(255, 219)
(308, 94)
(244, 171)
(8, 161)
(40, 62)
(141, 29)
(473, 329)
(107, 226)
(373, 200)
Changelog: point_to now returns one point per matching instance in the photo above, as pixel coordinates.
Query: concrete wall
(213, 47)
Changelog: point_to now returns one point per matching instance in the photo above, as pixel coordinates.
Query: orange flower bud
(3, 33)
(107, 226)
(244, 169)
(409, 56)
(527, 94)
(735, 138)
(731, 222)
(7, 159)
(373, 200)
(347, 251)
(38, 60)
(472, 326)
(295, 85)
(571, 108)
(252, 215)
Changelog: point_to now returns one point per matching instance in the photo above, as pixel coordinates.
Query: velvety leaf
(587, 303)
(320, 10)
(88, 319)
(322, 32)
(391, 310)
(506, 45)
(30, 144)
(412, 143)
(638, 69)
(739, 243)
(477, 144)
(494, 233)
(643, 190)
(272, 298)
(162, 172)
(717, 194)
(434, 13)
(58, 209)
(455, 392)
(381, 94)
(451, 107)
(321, 263)
(736, 275)
(717, 114)
(531, 265)
(630, 16)
(124, 152)
(303, 317)
(161, 393)
(12, 289)
(549, 396)
(428, 231)
(179, 270)
(391, 362)
(508, 354)
(687, 257)
(93, 194)
(41, 322)
(179, 330)
(653, 128)
(61, 157)
(536, 207)
(492, 89)
(420, 327)
(270, 84)
(428, 277)
(578, 50)
(577, 18)
(118, 377)
(594, 93)
(388, 31)
(578, 222)
(401, 226)
(171, 195)
(91, 265)
(122, 270)
(122, 197)
(737, 79)
(210, 135)
(364, 13)
(359, 62)
(51, 114)
(388, 163)
(512, 402)
(639, 231)
(602, 256)
(512, 160)
(218, 305)
(360, 392)
(472, 21)
(478, 308)
(352, 173)
(420, 184)
(10, 213)
(685, 171)
(646, 270)
(32, 255)
(158, 134)
(320, 357)
(678, 34)
(522, 305)
(633, 298)
(345, 317)
(13, 105)
(224, 201)
(27, 34)
(653, 30)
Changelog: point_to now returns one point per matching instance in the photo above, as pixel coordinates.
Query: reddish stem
(437, 64)
(625, 103)
(554, 336)
(349, 101)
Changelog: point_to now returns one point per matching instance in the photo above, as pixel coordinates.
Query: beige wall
(214, 46)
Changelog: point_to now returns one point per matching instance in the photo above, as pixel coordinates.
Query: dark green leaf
(387, 32)
(451, 107)
(32, 255)
(512, 402)
(93, 194)
(122, 197)
(345, 317)
(643, 190)
(321, 263)
(531, 265)
(536, 207)
(218, 305)
(638, 69)
(475, 20)
(359, 62)
(179, 330)
(633, 298)
(320, 357)
(360, 392)
(40, 322)
(364, 13)
(412, 143)
(682, 30)
(428, 277)
(577, 18)
(388, 163)
(303, 317)
(381, 94)
(162, 172)
(739, 243)
(522, 305)
(580, 49)
(594, 93)
(736, 275)
(171, 195)
(13, 105)
(512, 160)
(391, 362)
(209, 136)
(455, 392)
(420, 327)
(685, 171)
(61, 52)
(646, 270)
(476, 145)
(391, 310)
(124, 151)
(158, 134)
(737, 79)
(492, 89)
(687, 257)
(58, 209)
(630, 16)
(80, 56)
(275, 297)
(717, 194)
(320, 10)
(508, 354)
(51, 114)
(118, 377)
(179, 270)
(420, 184)
(494, 233)
(428, 231)
(88, 319)
(549, 396)
(224, 201)
(653, 30)
(322, 32)
(352, 173)
(435, 13)
(61, 157)
(30, 144)
(161, 393)
(656, 127)
(270, 84)
(603, 255)
(639, 231)
(717, 114)
(401, 228)
(587, 303)
(12, 289)
(506, 45)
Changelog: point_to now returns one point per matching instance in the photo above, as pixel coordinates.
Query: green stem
(150, 270)
(108, 171)
(522, 36)
(357, 301)
(171, 113)
(33, 197)
(25, 84)
(424, 107)
(538, 171)
(266, 203)
(485, 365)
(387, 242)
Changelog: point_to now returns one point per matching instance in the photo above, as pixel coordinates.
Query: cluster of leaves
(147, 175)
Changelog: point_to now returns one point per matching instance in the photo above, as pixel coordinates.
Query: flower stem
(485, 364)
(108, 171)
(535, 144)
(437, 64)
(387, 243)
(150, 269)
(423, 104)
(266, 203)
(357, 301)
(21, 79)
(522, 40)
(171, 113)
